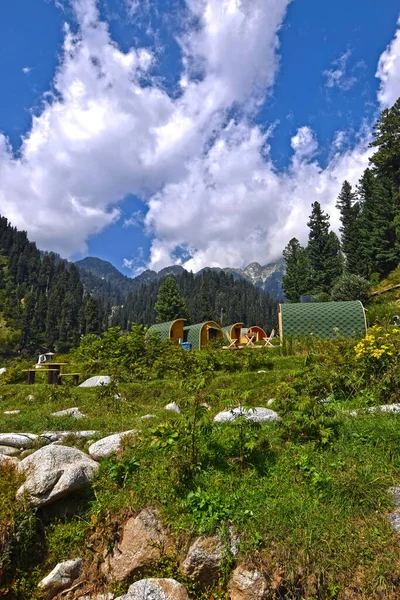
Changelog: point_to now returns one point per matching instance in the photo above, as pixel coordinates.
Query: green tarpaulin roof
(162, 328)
(323, 319)
(192, 333)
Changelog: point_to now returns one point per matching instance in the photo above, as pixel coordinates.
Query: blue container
(186, 345)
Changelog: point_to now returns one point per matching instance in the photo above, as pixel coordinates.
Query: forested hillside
(42, 302)
(211, 295)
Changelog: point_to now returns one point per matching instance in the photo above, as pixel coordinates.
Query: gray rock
(173, 406)
(11, 412)
(69, 412)
(9, 451)
(31, 397)
(395, 493)
(54, 472)
(96, 381)
(108, 445)
(61, 577)
(143, 544)
(155, 589)
(247, 584)
(391, 408)
(270, 402)
(147, 416)
(258, 414)
(394, 520)
(203, 560)
(51, 437)
(18, 440)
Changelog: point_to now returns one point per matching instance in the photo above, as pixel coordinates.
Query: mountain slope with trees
(42, 301)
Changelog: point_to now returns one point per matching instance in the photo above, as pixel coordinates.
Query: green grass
(312, 515)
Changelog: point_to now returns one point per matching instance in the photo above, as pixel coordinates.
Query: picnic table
(53, 371)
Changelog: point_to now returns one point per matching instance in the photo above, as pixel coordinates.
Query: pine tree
(170, 305)
(350, 218)
(323, 252)
(296, 282)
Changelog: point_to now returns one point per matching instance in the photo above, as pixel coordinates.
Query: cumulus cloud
(212, 193)
(26, 70)
(389, 72)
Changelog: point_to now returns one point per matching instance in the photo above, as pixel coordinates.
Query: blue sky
(152, 132)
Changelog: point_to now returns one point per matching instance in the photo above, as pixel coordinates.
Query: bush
(350, 287)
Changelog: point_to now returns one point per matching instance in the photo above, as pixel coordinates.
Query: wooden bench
(32, 374)
(74, 375)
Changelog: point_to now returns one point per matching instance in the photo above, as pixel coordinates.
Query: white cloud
(389, 72)
(135, 220)
(338, 75)
(247, 211)
(26, 70)
(135, 265)
(211, 189)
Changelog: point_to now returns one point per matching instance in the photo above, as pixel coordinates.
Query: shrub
(350, 287)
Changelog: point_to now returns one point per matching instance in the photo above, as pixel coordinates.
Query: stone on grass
(143, 544)
(54, 472)
(3, 370)
(203, 560)
(11, 412)
(30, 397)
(52, 437)
(8, 460)
(109, 445)
(18, 440)
(9, 451)
(96, 381)
(395, 493)
(61, 577)
(258, 414)
(247, 584)
(147, 416)
(155, 589)
(270, 402)
(69, 412)
(173, 406)
(392, 408)
(394, 520)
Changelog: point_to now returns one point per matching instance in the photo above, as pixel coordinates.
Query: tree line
(369, 247)
(211, 295)
(42, 300)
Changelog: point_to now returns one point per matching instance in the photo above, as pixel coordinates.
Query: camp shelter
(200, 334)
(258, 332)
(234, 331)
(322, 319)
(172, 330)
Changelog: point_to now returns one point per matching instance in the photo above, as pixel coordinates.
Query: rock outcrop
(173, 406)
(18, 440)
(203, 560)
(143, 544)
(247, 584)
(69, 412)
(53, 472)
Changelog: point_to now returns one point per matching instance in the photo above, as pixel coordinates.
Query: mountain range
(101, 278)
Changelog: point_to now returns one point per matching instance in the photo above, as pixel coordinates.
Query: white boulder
(258, 414)
(173, 406)
(109, 445)
(11, 412)
(155, 589)
(61, 577)
(9, 451)
(54, 472)
(96, 381)
(69, 412)
(18, 440)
